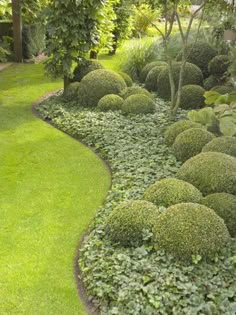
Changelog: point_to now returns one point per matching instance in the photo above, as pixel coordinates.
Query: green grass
(50, 188)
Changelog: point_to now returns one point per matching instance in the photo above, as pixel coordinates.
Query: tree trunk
(93, 54)
(66, 82)
(17, 30)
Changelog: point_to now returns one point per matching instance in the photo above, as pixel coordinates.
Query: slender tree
(17, 30)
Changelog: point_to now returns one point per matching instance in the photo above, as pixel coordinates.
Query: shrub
(225, 145)
(133, 90)
(127, 78)
(225, 206)
(71, 92)
(219, 65)
(33, 40)
(192, 97)
(190, 142)
(210, 172)
(147, 68)
(151, 79)
(97, 84)
(188, 229)
(170, 191)
(192, 75)
(224, 89)
(175, 129)
(138, 104)
(210, 82)
(84, 67)
(110, 102)
(128, 222)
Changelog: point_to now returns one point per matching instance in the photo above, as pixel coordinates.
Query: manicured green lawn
(50, 188)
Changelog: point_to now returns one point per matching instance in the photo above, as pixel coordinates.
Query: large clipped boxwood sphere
(225, 145)
(128, 221)
(84, 68)
(170, 191)
(110, 102)
(138, 104)
(127, 78)
(192, 97)
(210, 172)
(188, 229)
(151, 79)
(190, 143)
(147, 68)
(97, 84)
(70, 92)
(133, 90)
(211, 82)
(219, 65)
(192, 75)
(200, 55)
(225, 206)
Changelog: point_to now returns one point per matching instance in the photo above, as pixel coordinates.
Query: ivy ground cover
(50, 189)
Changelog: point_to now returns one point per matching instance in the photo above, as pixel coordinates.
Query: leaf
(228, 126)
(211, 97)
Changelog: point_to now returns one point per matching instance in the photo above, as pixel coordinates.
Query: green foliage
(219, 65)
(133, 90)
(110, 102)
(225, 145)
(151, 79)
(84, 67)
(190, 229)
(71, 92)
(210, 82)
(5, 48)
(210, 172)
(138, 104)
(34, 40)
(225, 206)
(97, 84)
(127, 78)
(192, 96)
(147, 68)
(175, 129)
(170, 191)
(223, 89)
(206, 117)
(192, 75)
(143, 19)
(129, 223)
(190, 143)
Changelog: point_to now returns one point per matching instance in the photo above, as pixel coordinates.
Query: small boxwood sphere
(211, 82)
(192, 97)
(192, 75)
(225, 206)
(138, 104)
(188, 229)
(127, 78)
(133, 90)
(175, 129)
(219, 65)
(147, 68)
(84, 68)
(128, 221)
(190, 143)
(225, 145)
(97, 84)
(71, 91)
(223, 89)
(110, 102)
(151, 79)
(170, 191)
(210, 172)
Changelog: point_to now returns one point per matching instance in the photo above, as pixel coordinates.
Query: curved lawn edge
(82, 292)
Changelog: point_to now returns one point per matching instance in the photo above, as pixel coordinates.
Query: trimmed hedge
(190, 143)
(175, 129)
(133, 90)
(192, 97)
(219, 65)
(225, 206)
(147, 68)
(211, 82)
(85, 67)
(97, 84)
(110, 102)
(128, 222)
(225, 145)
(192, 75)
(210, 172)
(188, 229)
(170, 191)
(151, 79)
(127, 78)
(138, 104)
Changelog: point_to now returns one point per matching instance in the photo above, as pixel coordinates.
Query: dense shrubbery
(71, 92)
(192, 97)
(175, 129)
(84, 67)
(127, 78)
(133, 90)
(190, 142)
(188, 229)
(152, 76)
(170, 191)
(148, 68)
(33, 40)
(210, 172)
(219, 65)
(97, 84)
(192, 75)
(223, 89)
(225, 206)
(225, 145)
(211, 82)
(129, 222)
(138, 104)
(110, 102)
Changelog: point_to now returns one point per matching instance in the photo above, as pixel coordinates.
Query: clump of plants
(192, 97)
(219, 65)
(133, 90)
(147, 68)
(225, 145)
(127, 78)
(138, 104)
(84, 67)
(110, 102)
(152, 76)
